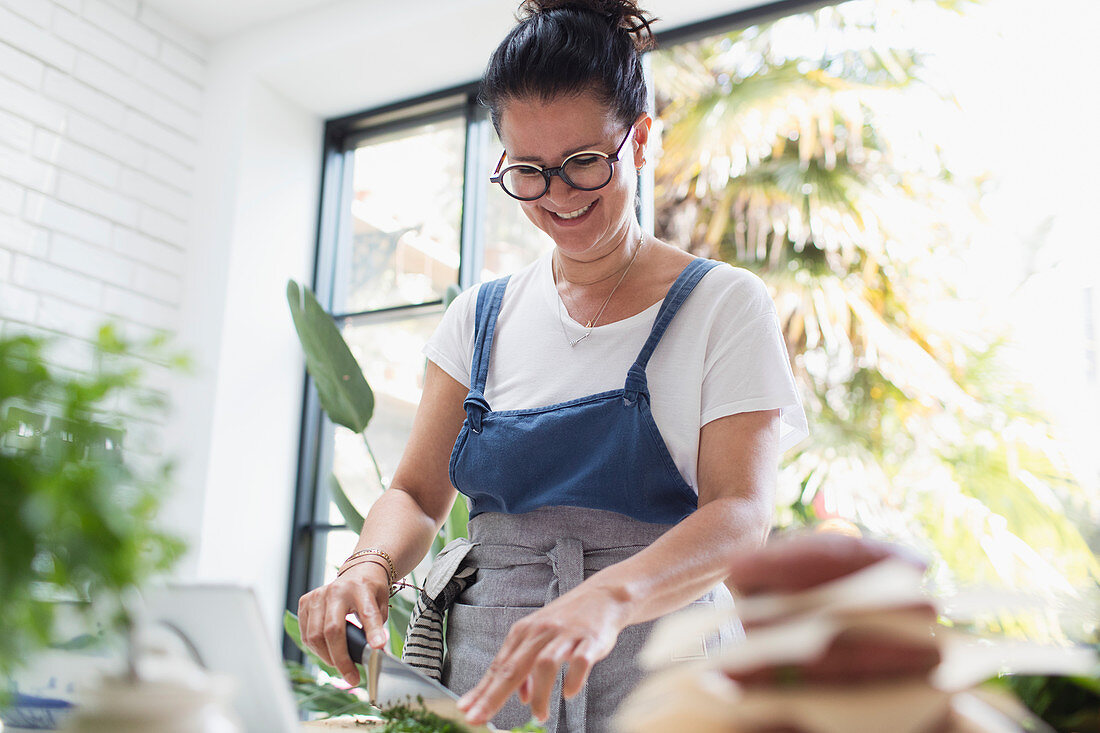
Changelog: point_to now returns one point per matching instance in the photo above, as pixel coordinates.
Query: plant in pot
(78, 515)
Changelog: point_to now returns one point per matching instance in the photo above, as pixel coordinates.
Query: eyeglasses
(587, 170)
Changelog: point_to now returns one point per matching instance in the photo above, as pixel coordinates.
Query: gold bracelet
(379, 553)
(345, 567)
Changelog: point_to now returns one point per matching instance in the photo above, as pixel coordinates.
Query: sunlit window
(912, 181)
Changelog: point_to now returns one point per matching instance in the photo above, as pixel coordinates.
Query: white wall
(100, 106)
(99, 115)
(259, 192)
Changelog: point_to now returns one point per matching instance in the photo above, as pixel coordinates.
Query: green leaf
(343, 391)
(457, 520)
(452, 292)
(79, 514)
(347, 510)
(400, 610)
(290, 625)
(323, 697)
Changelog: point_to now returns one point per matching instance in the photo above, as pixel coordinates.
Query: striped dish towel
(448, 577)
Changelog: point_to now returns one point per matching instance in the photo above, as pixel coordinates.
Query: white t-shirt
(722, 354)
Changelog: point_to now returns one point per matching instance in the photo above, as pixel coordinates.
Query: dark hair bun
(624, 14)
(571, 47)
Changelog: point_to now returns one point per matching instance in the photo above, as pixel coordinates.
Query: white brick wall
(100, 104)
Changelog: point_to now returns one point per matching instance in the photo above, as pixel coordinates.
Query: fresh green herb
(313, 696)
(416, 719)
(531, 727)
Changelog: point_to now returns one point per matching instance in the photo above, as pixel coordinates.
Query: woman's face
(545, 134)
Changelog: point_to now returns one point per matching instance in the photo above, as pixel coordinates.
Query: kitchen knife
(393, 682)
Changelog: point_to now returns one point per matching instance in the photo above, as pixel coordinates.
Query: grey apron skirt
(523, 562)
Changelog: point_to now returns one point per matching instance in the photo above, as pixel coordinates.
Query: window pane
(511, 240)
(388, 349)
(405, 218)
(338, 545)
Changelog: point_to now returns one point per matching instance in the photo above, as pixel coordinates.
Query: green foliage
(799, 155)
(341, 386)
(78, 518)
(290, 626)
(313, 696)
(348, 511)
(398, 622)
(417, 719)
(457, 520)
(1067, 704)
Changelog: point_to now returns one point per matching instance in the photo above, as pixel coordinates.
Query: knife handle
(357, 642)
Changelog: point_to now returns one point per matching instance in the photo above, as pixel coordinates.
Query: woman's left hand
(578, 629)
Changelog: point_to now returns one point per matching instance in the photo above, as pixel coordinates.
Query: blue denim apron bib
(602, 451)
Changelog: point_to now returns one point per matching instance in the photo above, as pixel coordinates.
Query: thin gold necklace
(592, 323)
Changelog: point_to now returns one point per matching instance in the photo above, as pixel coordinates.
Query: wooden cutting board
(342, 723)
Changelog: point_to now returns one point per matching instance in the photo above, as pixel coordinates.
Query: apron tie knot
(636, 384)
(476, 406)
(567, 563)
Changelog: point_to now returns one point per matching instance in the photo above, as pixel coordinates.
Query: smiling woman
(613, 471)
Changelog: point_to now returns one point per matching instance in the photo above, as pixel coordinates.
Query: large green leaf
(344, 392)
(348, 511)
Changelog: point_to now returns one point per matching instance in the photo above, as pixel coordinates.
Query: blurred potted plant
(78, 519)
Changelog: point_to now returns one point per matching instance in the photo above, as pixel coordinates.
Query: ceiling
(216, 19)
(335, 57)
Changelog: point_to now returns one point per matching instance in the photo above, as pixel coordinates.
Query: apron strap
(489, 297)
(636, 384)
(567, 563)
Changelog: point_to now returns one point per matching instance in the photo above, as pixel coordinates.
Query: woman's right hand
(364, 590)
